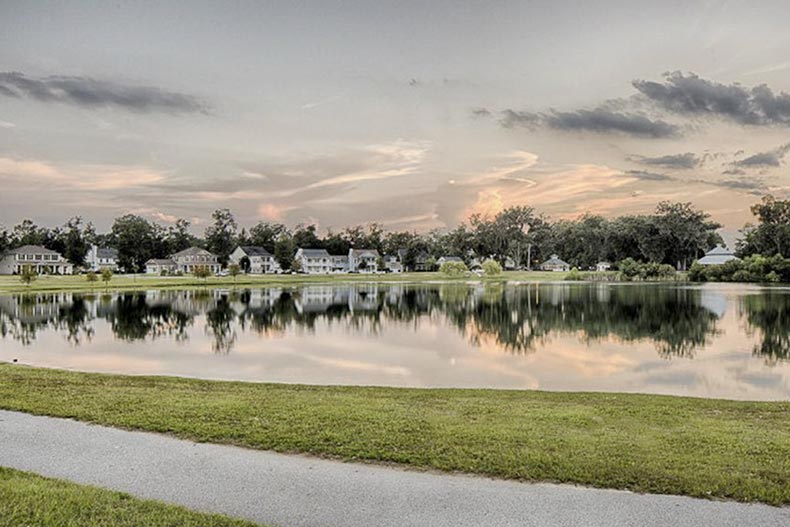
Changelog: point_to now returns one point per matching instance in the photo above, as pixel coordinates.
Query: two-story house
(254, 260)
(40, 259)
(363, 260)
(99, 258)
(314, 261)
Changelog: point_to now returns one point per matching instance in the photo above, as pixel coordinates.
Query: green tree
(266, 234)
(284, 251)
(106, 276)
(491, 267)
(201, 271)
(76, 238)
(453, 268)
(296, 266)
(28, 275)
(179, 238)
(772, 234)
(137, 241)
(234, 270)
(221, 234)
(91, 277)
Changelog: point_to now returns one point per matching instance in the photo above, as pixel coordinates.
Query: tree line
(674, 234)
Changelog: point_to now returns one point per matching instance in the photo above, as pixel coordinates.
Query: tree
(453, 268)
(772, 234)
(137, 241)
(491, 267)
(106, 276)
(221, 234)
(201, 271)
(28, 233)
(75, 240)
(284, 251)
(234, 270)
(178, 237)
(305, 236)
(266, 234)
(28, 275)
(296, 266)
(91, 277)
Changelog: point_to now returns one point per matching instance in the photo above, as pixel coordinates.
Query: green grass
(647, 443)
(30, 500)
(44, 283)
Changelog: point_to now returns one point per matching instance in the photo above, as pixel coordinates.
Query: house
(446, 259)
(314, 261)
(99, 258)
(254, 260)
(602, 267)
(40, 259)
(363, 260)
(555, 264)
(160, 266)
(188, 259)
(717, 256)
(393, 264)
(339, 263)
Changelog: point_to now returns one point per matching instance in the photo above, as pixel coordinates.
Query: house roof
(363, 252)
(555, 260)
(717, 256)
(160, 261)
(193, 251)
(32, 249)
(314, 253)
(106, 252)
(254, 250)
(452, 259)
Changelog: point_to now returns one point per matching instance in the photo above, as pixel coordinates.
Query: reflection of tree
(518, 319)
(770, 313)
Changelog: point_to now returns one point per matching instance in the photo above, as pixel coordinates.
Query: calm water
(713, 341)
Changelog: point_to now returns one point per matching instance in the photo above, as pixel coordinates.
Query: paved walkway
(297, 491)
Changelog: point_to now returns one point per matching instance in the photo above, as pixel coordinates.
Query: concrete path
(296, 491)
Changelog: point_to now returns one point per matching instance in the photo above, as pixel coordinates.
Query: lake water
(724, 341)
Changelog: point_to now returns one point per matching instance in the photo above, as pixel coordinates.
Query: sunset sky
(411, 114)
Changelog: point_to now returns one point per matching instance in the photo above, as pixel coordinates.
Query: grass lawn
(30, 500)
(13, 284)
(697, 447)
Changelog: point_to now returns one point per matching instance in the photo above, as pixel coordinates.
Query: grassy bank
(27, 499)
(12, 284)
(697, 447)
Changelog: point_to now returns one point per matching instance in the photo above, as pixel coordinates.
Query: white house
(189, 259)
(99, 258)
(185, 262)
(314, 261)
(393, 264)
(447, 259)
(555, 264)
(254, 260)
(363, 260)
(603, 267)
(339, 263)
(40, 259)
(717, 256)
(160, 266)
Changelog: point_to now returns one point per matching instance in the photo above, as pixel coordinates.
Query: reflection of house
(555, 264)
(99, 258)
(314, 261)
(41, 260)
(717, 256)
(35, 309)
(363, 298)
(363, 260)
(254, 260)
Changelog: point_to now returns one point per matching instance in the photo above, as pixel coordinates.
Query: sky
(414, 115)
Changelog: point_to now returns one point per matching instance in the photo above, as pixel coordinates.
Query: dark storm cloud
(691, 95)
(92, 93)
(772, 158)
(598, 120)
(677, 161)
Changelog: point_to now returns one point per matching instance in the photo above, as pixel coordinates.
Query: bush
(91, 276)
(756, 268)
(491, 267)
(630, 269)
(106, 275)
(574, 276)
(454, 268)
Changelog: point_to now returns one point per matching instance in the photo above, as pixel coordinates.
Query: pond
(723, 341)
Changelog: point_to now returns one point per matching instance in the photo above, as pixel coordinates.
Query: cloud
(772, 158)
(480, 112)
(91, 93)
(599, 120)
(6, 124)
(691, 95)
(648, 176)
(82, 177)
(677, 161)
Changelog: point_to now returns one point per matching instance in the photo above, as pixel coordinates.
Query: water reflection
(548, 321)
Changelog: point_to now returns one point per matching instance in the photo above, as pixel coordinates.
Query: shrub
(28, 274)
(106, 276)
(91, 277)
(491, 267)
(574, 275)
(453, 268)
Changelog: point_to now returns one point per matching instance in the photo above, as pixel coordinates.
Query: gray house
(99, 258)
(363, 260)
(40, 259)
(717, 256)
(555, 264)
(314, 261)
